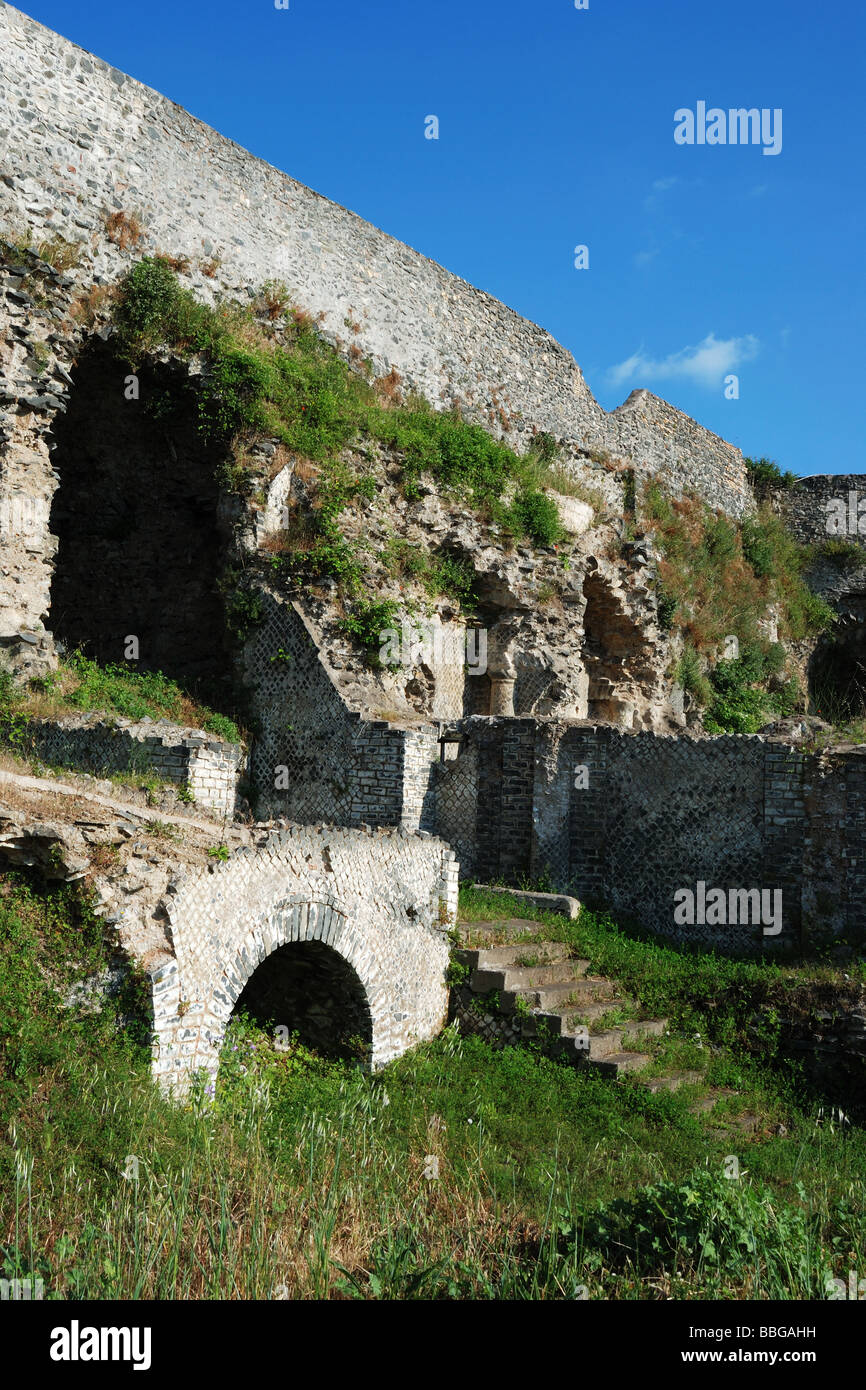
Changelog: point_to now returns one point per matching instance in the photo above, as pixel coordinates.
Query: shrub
(243, 607)
(544, 447)
(720, 538)
(741, 703)
(731, 1232)
(147, 300)
(758, 547)
(764, 474)
(667, 607)
(847, 555)
(367, 621)
(233, 393)
(691, 677)
(538, 516)
(453, 576)
(657, 504)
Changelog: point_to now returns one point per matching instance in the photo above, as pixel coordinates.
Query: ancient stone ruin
(539, 732)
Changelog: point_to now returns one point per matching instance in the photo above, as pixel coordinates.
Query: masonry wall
(210, 767)
(624, 820)
(382, 901)
(315, 759)
(804, 505)
(804, 509)
(80, 140)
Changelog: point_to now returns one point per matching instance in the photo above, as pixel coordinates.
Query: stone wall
(81, 141)
(623, 821)
(381, 901)
(313, 757)
(804, 509)
(210, 767)
(804, 505)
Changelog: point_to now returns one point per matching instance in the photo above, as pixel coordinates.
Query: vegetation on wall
(764, 474)
(741, 701)
(80, 684)
(299, 390)
(844, 554)
(719, 578)
(267, 371)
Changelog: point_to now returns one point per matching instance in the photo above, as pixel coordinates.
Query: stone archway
(362, 914)
(306, 989)
(301, 965)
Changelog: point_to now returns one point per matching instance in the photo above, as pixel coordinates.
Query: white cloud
(707, 363)
(658, 186)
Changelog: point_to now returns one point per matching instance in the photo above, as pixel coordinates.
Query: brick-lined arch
(189, 1039)
(373, 898)
(293, 922)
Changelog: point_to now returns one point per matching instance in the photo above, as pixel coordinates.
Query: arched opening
(309, 989)
(614, 654)
(837, 669)
(140, 547)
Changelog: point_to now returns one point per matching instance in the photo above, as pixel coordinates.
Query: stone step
(573, 993)
(618, 1063)
(517, 979)
(511, 928)
(576, 1015)
(673, 1081)
(568, 1019)
(704, 1105)
(500, 957)
(609, 1040)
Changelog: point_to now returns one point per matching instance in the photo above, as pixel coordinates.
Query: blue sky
(556, 129)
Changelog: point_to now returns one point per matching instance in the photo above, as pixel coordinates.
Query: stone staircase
(545, 993)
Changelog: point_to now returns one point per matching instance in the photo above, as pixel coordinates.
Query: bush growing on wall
(301, 392)
(718, 578)
(764, 474)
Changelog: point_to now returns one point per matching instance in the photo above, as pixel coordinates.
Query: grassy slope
(301, 1181)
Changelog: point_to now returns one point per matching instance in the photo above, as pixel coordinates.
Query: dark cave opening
(308, 988)
(614, 649)
(140, 547)
(837, 669)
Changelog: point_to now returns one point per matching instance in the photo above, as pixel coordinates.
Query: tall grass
(81, 684)
(303, 1178)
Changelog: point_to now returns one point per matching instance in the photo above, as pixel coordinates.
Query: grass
(304, 1178)
(80, 684)
(439, 574)
(299, 390)
(55, 251)
(722, 576)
